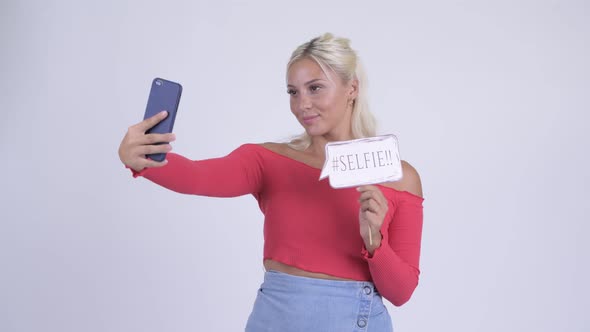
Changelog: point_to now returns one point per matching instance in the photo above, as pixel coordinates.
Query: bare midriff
(269, 264)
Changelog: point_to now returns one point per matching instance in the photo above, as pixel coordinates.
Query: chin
(315, 131)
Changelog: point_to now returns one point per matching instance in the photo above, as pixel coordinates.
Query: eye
(315, 88)
(291, 92)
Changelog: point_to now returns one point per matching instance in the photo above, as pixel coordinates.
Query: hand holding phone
(164, 96)
(151, 136)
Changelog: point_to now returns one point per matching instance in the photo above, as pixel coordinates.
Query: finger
(366, 188)
(376, 196)
(153, 163)
(366, 195)
(369, 189)
(370, 218)
(157, 138)
(371, 206)
(151, 149)
(144, 161)
(151, 121)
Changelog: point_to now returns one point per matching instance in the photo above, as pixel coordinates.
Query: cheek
(321, 102)
(330, 103)
(293, 106)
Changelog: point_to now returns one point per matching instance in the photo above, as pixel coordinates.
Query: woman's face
(320, 101)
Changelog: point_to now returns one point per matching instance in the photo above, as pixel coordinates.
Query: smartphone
(164, 96)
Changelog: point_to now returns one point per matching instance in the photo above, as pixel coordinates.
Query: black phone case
(164, 96)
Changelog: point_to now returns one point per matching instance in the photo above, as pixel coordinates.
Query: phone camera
(158, 82)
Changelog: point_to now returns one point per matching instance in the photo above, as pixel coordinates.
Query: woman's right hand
(137, 144)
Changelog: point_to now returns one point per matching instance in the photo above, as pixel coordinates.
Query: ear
(353, 89)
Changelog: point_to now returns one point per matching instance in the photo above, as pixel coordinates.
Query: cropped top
(307, 223)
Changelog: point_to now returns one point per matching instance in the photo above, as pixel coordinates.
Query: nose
(304, 102)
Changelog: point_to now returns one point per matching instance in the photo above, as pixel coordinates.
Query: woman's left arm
(394, 257)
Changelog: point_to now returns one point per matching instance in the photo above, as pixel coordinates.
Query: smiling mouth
(309, 119)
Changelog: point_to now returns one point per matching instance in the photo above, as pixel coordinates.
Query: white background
(489, 99)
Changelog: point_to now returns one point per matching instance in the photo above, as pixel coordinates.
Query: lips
(310, 119)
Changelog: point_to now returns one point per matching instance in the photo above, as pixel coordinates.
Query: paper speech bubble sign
(362, 161)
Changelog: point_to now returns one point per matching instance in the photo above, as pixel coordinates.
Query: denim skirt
(287, 303)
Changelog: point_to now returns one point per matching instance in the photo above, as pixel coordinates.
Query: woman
(330, 254)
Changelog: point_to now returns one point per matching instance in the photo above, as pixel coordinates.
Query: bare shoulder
(275, 147)
(410, 181)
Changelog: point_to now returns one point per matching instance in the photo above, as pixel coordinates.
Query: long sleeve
(394, 266)
(236, 174)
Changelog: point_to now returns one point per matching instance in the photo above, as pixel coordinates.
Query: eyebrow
(307, 83)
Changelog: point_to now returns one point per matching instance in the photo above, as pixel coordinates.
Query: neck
(318, 143)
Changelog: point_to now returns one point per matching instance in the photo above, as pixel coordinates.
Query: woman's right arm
(236, 174)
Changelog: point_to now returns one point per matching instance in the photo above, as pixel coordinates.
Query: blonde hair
(335, 54)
